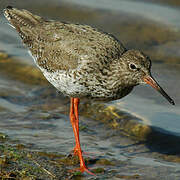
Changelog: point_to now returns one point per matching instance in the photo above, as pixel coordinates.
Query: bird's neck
(117, 77)
(118, 71)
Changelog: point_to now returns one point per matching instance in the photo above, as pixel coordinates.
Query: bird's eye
(132, 66)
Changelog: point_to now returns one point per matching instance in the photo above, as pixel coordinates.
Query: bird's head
(138, 69)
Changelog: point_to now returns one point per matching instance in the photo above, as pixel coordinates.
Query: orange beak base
(149, 80)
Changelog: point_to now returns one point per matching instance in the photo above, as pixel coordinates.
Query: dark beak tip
(172, 102)
(149, 80)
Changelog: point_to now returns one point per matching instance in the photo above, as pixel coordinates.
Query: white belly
(64, 83)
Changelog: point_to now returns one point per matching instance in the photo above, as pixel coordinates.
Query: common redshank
(82, 62)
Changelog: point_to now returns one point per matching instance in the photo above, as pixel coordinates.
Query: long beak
(149, 80)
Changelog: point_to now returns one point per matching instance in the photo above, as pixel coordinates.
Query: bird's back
(62, 46)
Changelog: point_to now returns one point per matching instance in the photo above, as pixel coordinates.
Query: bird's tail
(20, 18)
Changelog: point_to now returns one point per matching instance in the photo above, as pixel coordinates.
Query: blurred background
(33, 112)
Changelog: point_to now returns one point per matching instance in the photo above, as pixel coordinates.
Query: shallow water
(159, 13)
(38, 117)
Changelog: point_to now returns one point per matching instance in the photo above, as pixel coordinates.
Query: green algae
(3, 55)
(98, 170)
(105, 162)
(3, 137)
(135, 176)
(73, 160)
(19, 162)
(163, 141)
(126, 123)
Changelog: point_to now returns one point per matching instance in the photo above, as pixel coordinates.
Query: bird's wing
(62, 46)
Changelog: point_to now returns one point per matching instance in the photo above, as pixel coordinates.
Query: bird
(82, 62)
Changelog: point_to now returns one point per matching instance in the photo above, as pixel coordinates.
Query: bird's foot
(82, 169)
(85, 169)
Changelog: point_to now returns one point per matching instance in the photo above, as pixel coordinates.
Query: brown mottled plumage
(82, 62)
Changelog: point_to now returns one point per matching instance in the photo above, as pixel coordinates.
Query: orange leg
(76, 104)
(75, 125)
